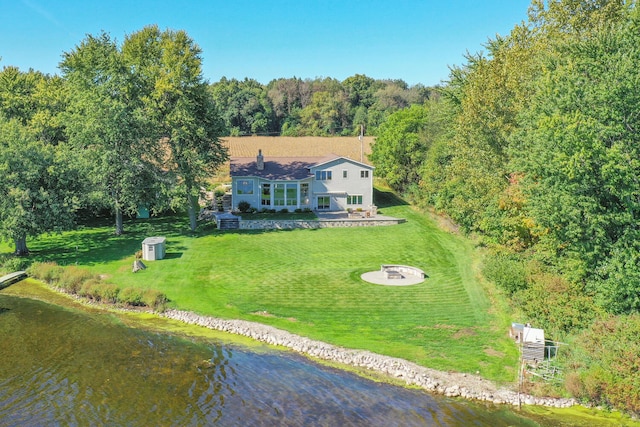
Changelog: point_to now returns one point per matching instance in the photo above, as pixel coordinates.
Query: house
(330, 183)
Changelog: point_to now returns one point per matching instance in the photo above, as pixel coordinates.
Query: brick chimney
(260, 161)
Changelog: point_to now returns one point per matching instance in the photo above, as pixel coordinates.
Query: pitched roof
(283, 168)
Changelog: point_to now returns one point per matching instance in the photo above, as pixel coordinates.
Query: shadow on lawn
(387, 198)
(92, 244)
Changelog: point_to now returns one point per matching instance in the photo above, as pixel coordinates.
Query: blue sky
(412, 40)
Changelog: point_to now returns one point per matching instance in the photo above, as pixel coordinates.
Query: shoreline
(449, 384)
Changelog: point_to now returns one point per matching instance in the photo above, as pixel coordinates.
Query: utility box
(153, 248)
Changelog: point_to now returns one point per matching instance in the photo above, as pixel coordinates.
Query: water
(72, 368)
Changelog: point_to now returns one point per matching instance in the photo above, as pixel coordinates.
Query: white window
(354, 200)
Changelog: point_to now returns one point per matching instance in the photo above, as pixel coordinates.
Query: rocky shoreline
(445, 383)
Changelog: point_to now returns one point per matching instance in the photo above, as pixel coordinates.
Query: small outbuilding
(153, 248)
(531, 340)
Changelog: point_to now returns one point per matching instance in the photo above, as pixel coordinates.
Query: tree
(39, 186)
(400, 148)
(106, 124)
(177, 100)
(579, 149)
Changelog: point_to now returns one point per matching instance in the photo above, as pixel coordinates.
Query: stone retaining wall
(273, 224)
(448, 384)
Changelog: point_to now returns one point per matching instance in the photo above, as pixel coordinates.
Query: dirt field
(289, 146)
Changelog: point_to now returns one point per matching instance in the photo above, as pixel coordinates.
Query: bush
(72, 278)
(89, 289)
(604, 362)
(48, 272)
(284, 210)
(154, 299)
(556, 304)
(506, 271)
(11, 263)
(108, 292)
(244, 206)
(130, 296)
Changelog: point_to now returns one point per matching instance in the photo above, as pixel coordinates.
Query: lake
(71, 367)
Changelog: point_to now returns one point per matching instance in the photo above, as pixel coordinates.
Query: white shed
(153, 248)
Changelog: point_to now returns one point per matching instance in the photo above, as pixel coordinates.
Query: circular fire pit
(395, 275)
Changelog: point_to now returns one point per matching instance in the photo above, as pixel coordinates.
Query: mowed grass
(308, 282)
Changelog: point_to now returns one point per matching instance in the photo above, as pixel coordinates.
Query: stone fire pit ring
(395, 275)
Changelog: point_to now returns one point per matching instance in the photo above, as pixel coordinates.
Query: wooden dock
(10, 279)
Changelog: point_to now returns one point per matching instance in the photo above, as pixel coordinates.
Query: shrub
(556, 304)
(72, 278)
(506, 271)
(89, 289)
(108, 292)
(244, 206)
(11, 263)
(154, 299)
(48, 272)
(284, 210)
(604, 360)
(130, 296)
(298, 211)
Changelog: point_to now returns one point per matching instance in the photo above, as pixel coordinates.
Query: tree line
(125, 126)
(534, 147)
(312, 107)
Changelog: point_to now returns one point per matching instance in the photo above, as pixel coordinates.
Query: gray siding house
(329, 183)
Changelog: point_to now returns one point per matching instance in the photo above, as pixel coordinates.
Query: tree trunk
(192, 212)
(119, 224)
(21, 246)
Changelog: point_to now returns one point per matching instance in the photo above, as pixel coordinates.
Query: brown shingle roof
(283, 168)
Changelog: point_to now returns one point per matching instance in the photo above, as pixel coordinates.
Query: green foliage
(399, 149)
(39, 184)
(556, 305)
(72, 278)
(506, 271)
(12, 263)
(131, 296)
(48, 272)
(154, 299)
(322, 106)
(244, 206)
(604, 362)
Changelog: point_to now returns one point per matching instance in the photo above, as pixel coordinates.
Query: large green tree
(39, 187)
(579, 149)
(177, 99)
(107, 125)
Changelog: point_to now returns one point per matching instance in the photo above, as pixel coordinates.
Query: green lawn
(308, 282)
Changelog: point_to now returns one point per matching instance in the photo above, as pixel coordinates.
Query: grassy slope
(308, 282)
